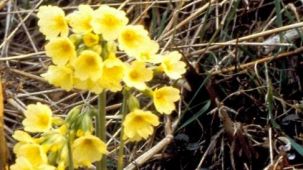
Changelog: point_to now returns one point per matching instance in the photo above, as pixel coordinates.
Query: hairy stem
(100, 127)
(70, 155)
(121, 146)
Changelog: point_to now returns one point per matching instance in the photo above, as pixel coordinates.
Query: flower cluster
(85, 58)
(82, 46)
(53, 139)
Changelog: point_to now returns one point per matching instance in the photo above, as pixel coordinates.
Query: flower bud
(133, 103)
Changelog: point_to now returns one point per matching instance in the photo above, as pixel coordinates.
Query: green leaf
(296, 146)
(196, 115)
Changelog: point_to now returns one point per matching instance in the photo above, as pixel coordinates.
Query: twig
(22, 56)
(169, 130)
(16, 105)
(19, 25)
(191, 17)
(32, 76)
(147, 155)
(210, 146)
(252, 36)
(237, 44)
(250, 64)
(271, 154)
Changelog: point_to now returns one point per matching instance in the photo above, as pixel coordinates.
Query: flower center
(159, 96)
(138, 119)
(169, 66)
(65, 46)
(110, 21)
(86, 23)
(43, 120)
(129, 36)
(87, 142)
(90, 61)
(60, 22)
(134, 75)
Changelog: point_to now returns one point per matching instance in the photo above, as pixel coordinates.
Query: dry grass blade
(188, 19)
(253, 63)
(18, 57)
(252, 36)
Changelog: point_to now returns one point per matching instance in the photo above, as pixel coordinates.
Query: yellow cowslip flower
(108, 21)
(132, 39)
(33, 153)
(22, 136)
(137, 74)
(75, 39)
(88, 66)
(59, 76)
(111, 48)
(22, 164)
(92, 86)
(97, 48)
(80, 20)
(63, 156)
(113, 72)
(63, 129)
(139, 124)
(148, 53)
(52, 21)
(87, 149)
(59, 158)
(80, 133)
(61, 166)
(61, 50)
(172, 66)
(58, 121)
(46, 167)
(90, 39)
(54, 141)
(165, 98)
(38, 118)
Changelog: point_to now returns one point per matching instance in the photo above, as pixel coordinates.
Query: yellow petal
(88, 66)
(172, 66)
(33, 153)
(133, 38)
(112, 74)
(137, 75)
(139, 124)
(52, 22)
(60, 76)
(80, 20)
(93, 148)
(164, 99)
(22, 136)
(89, 85)
(148, 52)
(22, 164)
(90, 39)
(61, 50)
(109, 21)
(38, 118)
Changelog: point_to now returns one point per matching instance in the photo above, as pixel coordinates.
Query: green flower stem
(70, 155)
(100, 127)
(122, 142)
